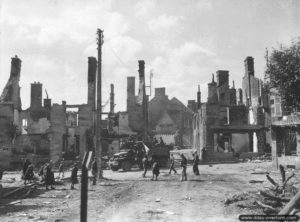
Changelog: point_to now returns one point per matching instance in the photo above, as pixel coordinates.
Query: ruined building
(160, 116)
(232, 120)
(44, 130)
(10, 110)
(170, 119)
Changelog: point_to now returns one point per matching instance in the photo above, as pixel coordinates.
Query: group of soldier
(183, 163)
(46, 173)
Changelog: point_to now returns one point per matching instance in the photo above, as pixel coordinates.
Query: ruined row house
(44, 130)
(232, 120)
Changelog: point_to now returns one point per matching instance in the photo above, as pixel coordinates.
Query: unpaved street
(129, 197)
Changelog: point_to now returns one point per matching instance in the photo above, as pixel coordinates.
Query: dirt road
(126, 196)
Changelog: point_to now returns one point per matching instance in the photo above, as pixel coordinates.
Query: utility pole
(112, 99)
(98, 149)
(145, 99)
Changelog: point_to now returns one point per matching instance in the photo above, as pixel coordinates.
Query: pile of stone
(272, 200)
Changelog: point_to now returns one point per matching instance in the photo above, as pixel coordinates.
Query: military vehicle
(127, 158)
(123, 160)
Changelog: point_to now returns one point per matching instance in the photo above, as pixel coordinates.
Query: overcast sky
(184, 42)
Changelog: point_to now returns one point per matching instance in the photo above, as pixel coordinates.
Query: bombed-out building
(232, 120)
(44, 130)
(160, 117)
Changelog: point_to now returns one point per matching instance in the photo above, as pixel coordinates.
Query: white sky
(184, 42)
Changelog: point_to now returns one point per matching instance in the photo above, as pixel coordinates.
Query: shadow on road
(13, 208)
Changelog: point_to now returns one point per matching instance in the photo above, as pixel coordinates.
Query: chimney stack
(36, 96)
(240, 96)
(192, 105)
(249, 66)
(130, 92)
(15, 67)
(160, 92)
(223, 77)
(198, 98)
(130, 86)
(47, 104)
(141, 69)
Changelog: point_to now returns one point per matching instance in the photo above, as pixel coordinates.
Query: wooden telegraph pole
(98, 150)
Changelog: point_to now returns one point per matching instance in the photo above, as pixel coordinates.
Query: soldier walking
(184, 166)
(172, 168)
(155, 170)
(74, 179)
(29, 175)
(49, 176)
(25, 167)
(145, 164)
(94, 170)
(61, 169)
(195, 163)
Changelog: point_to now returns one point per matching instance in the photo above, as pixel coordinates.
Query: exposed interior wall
(123, 125)
(240, 142)
(255, 89)
(35, 143)
(238, 115)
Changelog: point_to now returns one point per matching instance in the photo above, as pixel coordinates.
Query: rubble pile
(258, 159)
(271, 200)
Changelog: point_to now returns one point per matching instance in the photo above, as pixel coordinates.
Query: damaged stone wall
(10, 107)
(57, 130)
(85, 119)
(38, 144)
(7, 133)
(238, 115)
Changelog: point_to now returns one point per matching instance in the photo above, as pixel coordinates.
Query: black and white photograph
(149, 110)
